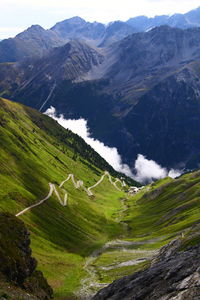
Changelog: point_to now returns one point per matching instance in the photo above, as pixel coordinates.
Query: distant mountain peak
(31, 29)
(76, 20)
(36, 28)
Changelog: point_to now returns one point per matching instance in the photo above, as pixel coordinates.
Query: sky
(17, 15)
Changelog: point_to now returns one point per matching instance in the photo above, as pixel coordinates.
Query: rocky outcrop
(17, 266)
(176, 277)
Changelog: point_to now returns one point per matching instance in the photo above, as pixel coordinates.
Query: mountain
(78, 28)
(93, 33)
(164, 211)
(147, 78)
(138, 61)
(114, 32)
(63, 205)
(193, 16)
(86, 227)
(40, 78)
(143, 23)
(182, 21)
(34, 41)
(36, 156)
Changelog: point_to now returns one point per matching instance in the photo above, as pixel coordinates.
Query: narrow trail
(77, 185)
(52, 189)
(91, 284)
(49, 96)
(110, 179)
(39, 203)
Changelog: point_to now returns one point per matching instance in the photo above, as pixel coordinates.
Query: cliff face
(176, 277)
(17, 267)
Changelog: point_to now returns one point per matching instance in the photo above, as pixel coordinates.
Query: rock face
(142, 60)
(16, 264)
(176, 277)
(35, 41)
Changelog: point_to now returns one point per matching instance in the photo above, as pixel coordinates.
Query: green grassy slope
(34, 151)
(166, 210)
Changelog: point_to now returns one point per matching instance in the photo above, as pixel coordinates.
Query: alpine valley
(71, 226)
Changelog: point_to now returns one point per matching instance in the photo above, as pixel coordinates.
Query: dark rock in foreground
(176, 278)
(18, 275)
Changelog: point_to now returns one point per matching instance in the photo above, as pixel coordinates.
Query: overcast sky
(17, 15)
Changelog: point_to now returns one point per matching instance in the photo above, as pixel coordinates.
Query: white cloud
(149, 170)
(80, 127)
(146, 170)
(174, 173)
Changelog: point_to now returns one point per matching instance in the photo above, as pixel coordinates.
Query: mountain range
(146, 87)
(70, 224)
(35, 41)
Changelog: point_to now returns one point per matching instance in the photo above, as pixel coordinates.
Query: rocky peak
(75, 20)
(34, 29)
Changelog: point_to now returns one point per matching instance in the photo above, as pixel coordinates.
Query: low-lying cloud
(145, 170)
(80, 127)
(148, 170)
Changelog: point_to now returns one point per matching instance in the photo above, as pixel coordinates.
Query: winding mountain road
(77, 185)
(106, 173)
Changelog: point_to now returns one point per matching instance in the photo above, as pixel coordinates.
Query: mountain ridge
(119, 83)
(26, 44)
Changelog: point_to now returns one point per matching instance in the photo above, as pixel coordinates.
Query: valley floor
(115, 259)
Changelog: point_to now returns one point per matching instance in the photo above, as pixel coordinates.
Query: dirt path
(110, 179)
(48, 97)
(91, 284)
(77, 185)
(52, 189)
(38, 203)
(118, 248)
